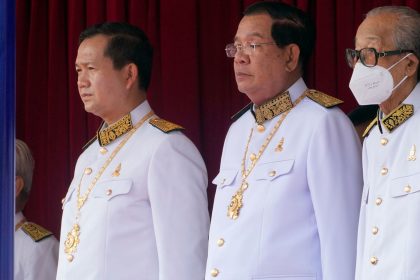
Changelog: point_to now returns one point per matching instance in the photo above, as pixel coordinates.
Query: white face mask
(373, 85)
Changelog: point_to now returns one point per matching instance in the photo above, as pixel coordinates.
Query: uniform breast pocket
(112, 189)
(269, 171)
(405, 186)
(225, 178)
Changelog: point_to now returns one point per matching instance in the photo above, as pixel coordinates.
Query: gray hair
(24, 165)
(406, 30)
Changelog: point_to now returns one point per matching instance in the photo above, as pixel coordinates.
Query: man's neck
(398, 96)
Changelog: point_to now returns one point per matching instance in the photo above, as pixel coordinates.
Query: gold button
(384, 171)
(214, 272)
(220, 242)
(103, 150)
(108, 192)
(407, 188)
(384, 141)
(272, 173)
(374, 260)
(252, 156)
(260, 128)
(375, 230)
(88, 170)
(378, 201)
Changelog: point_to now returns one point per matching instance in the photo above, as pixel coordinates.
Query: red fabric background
(192, 83)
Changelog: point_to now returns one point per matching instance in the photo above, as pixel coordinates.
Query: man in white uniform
(137, 206)
(386, 72)
(289, 187)
(36, 249)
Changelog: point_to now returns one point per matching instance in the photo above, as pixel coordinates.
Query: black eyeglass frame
(352, 56)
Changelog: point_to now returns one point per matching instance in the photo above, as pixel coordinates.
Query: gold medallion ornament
(236, 202)
(71, 242)
(73, 236)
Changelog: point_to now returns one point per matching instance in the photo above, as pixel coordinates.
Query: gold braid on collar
(112, 132)
(398, 116)
(274, 107)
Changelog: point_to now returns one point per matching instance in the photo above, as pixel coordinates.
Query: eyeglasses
(369, 56)
(247, 48)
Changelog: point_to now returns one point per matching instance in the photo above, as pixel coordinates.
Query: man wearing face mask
(386, 72)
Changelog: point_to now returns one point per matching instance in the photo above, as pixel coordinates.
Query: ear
(292, 53)
(412, 66)
(19, 185)
(131, 75)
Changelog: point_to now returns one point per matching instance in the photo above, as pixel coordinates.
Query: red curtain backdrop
(192, 83)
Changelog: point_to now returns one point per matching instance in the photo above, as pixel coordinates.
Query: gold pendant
(412, 154)
(279, 147)
(235, 205)
(71, 242)
(117, 170)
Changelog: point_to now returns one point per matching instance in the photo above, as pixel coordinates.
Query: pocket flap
(225, 177)
(272, 170)
(405, 185)
(111, 189)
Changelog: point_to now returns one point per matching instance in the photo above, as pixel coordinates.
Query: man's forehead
(376, 29)
(258, 25)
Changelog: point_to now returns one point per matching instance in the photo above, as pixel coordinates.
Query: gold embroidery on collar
(398, 116)
(112, 132)
(274, 107)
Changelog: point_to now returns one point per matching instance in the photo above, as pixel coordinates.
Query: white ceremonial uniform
(34, 260)
(300, 211)
(389, 238)
(150, 221)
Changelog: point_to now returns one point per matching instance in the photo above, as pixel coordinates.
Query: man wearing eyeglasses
(290, 180)
(386, 72)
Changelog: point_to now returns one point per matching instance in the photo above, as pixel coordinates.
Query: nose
(241, 57)
(82, 81)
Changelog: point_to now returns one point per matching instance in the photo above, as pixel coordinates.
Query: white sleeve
(335, 182)
(177, 184)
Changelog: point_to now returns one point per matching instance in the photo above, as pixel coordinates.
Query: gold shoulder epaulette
(323, 99)
(89, 143)
(369, 127)
(165, 125)
(36, 232)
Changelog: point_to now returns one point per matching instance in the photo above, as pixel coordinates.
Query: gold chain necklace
(73, 236)
(236, 200)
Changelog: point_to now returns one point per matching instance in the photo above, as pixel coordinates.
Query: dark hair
(363, 114)
(127, 44)
(290, 26)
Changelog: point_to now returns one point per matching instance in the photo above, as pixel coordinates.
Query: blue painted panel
(7, 136)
